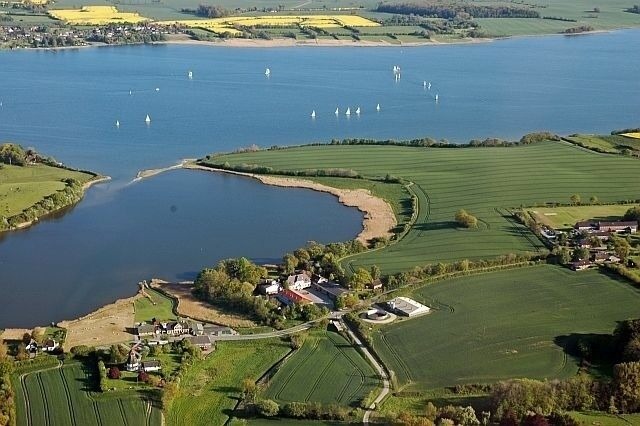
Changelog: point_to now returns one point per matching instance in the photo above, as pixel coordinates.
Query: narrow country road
(277, 333)
(379, 369)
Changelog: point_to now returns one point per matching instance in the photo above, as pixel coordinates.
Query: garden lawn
(209, 390)
(484, 181)
(157, 305)
(566, 217)
(327, 369)
(502, 325)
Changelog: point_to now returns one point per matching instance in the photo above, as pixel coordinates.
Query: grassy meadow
(501, 325)
(210, 389)
(65, 396)
(484, 181)
(22, 187)
(613, 144)
(567, 216)
(327, 369)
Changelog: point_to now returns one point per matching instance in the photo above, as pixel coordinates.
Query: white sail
(313, 114)
(147, 119)
(267, 72)
(424, 84)
(358, 110)
(429, 86)
(117, 123)
(190, 75)
(437, 97)
(378, 107)
(348, 111)
(130, 92)
(337, 111)
(157, 89)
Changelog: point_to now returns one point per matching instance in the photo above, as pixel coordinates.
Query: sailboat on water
(337, 111)
(147, 119)
(190, 75)
(267, 72)
(313, 114)
(436, 97)
(378, 107)
(358, 110)
(348, 111)
(117, 123)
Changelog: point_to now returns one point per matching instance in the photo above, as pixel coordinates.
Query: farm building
(331, 289)
(591, 226)
(220, 330)
(144, 329)
(374, 285)
(580, 265)
(407, 307)
(176, 328)
(50, 345)
(298, 281)
(196, 328)
(149, 366)
(203, 342)
(291, 297)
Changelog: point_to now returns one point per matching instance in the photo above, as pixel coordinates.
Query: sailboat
(337, 111)
(437, 97)
(117, 123)
(190, 75)
(313, 114)
(348, 111)
(267, 72)
(429, 86)
(358, 110)
(378, 107)
(157, 89)
(148, 119)
(131, 93)
(424, 84)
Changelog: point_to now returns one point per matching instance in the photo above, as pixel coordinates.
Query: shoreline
(379, 218)
(287, 42)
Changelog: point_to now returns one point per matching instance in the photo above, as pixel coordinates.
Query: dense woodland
(435, 10)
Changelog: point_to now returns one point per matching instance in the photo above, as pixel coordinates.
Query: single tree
(114, 373)
(575, 199)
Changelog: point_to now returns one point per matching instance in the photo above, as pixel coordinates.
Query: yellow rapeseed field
(221, 25)
(96, 15)
(635, 135)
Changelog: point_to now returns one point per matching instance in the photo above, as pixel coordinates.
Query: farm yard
(65, 396)
(567, 216)
(487, 182)
(326, 369)
(501, 325)
(210, 388)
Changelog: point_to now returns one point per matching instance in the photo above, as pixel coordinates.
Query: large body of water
(65, 103)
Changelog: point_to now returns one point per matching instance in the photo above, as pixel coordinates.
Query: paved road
(269, 335)
(379, 369)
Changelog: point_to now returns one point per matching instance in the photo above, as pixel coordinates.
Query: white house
(150, 366)
(269, 288)
(49, 345)
(298, 281)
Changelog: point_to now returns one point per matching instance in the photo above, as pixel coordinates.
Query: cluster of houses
(593, 235)
(302, 288)
(198, 334)
(48, 346)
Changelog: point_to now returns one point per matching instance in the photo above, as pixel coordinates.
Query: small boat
(397, 77)
(190, 75)
(348, 111)
(313, 114)
(267, 72)
(117, 123)
(131, 93)
(337, 111)
(157, 89)
(148, 119)
(429, 86)
(424, 84)
(436, 97)
(378, 107)
(358, 110)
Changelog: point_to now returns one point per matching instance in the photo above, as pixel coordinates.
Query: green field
(157, 305)
(327, 369)
(65, 396)
(484, 181)
(613, 144)
(502, 325)
(22, 187)
(601, 419)
(566, 217)
(210, 388)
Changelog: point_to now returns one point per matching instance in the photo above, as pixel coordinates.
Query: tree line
(7, 396)
(436, 10)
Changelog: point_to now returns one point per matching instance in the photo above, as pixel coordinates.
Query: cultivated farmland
(327, 369)
(502, 325)
(484, 181)
(210, 388)
(96, 15)
(65, 396)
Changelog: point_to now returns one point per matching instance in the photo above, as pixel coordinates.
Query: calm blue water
(65, 104)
